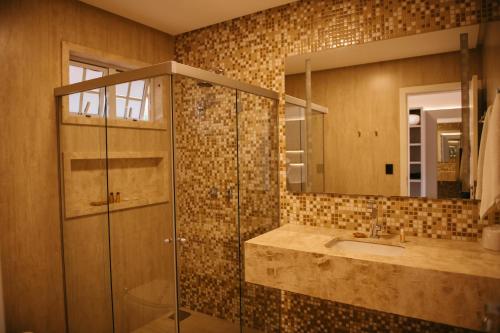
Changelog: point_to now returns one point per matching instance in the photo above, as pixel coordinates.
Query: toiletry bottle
(118, 198)
(111, 197)
(402, 235)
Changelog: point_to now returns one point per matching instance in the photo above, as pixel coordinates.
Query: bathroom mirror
(397, 117)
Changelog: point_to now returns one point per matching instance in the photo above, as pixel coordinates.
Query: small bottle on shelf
(111, 197)
(118, 198)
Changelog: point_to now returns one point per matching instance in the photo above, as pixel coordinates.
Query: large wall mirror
(388, 117)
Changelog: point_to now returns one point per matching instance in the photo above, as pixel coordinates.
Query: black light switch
(389, 169)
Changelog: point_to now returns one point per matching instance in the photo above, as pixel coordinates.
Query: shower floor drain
(182, 315)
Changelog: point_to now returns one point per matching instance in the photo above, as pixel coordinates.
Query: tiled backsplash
(446, 219)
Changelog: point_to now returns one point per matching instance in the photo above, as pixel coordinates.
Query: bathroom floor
(196, 323)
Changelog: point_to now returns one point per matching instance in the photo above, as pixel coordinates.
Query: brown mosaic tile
(252, 49)
(304, 314)
(205, 161)
(227, 192)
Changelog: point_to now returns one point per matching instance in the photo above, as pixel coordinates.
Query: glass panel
(314, 152)
(206, 207)
(92, 74)
(139, 100)
(75, 74)
(85, 227)
(120, 107)
(304, 149)
(141, 227)
(118, 222)
(122, 89)
(74, 103)
(134, 108)
(258, 161)
(137, 89)
(146, 108)
(295, 145)
(90, 103)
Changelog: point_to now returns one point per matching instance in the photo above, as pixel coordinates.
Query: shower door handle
(182, 240)
(213, 192)
(229, 193)
(167, 240)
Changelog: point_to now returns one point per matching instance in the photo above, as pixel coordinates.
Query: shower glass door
(85, 229)
(140, 210)
(206, 207)
(258, 204)
(117, 226)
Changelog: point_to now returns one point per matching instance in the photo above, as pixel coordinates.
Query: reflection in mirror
(449, 144)
(304, 145)
(396, 113)
(430, 116)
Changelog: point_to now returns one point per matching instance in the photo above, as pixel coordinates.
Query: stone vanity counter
(437, 280)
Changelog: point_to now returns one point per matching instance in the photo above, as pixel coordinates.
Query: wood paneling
(2, 313)
(362, 125)
(31, 33)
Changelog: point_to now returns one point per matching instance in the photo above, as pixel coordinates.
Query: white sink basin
(365, 247)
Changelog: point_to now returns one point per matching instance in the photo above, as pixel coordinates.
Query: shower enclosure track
(165, 68)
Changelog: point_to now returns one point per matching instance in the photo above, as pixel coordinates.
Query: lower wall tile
(305, 314)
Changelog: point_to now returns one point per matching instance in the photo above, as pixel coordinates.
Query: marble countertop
(432, 254)
(443, 281)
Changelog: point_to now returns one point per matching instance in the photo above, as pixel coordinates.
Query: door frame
(403, 124)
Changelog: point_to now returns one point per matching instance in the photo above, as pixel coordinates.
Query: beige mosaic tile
(252, 49)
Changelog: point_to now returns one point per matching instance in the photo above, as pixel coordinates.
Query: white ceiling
(396, 48)
(448, 100)
(177, 16)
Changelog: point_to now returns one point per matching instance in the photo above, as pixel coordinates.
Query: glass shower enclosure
(165, 172)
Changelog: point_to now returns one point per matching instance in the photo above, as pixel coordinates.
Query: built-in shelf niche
(140, 177)
(415, 153)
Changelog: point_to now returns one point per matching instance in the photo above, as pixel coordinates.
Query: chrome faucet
(374, 226)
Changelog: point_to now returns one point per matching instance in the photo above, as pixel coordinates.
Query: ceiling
(395, 48)
(446, 104)
(175, 17)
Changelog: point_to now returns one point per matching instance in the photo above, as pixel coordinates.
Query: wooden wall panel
(2, 313)
(31, 32)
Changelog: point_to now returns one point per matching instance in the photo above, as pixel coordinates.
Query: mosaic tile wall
(253, 49)
(258, 157)
(219, 153)
(306, 314)
(205, 164)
